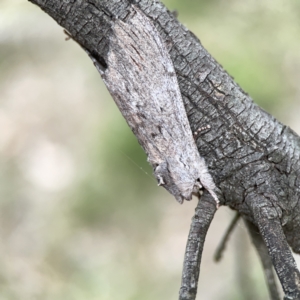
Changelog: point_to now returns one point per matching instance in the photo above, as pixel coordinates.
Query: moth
(141, 78)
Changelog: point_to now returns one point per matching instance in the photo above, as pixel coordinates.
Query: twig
(204, 214)
(265, 260)
(268, 222)
(222, 245)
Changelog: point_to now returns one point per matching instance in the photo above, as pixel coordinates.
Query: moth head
(189, 188)
(177, 180)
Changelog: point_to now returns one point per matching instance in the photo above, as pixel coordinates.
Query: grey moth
(142, 81)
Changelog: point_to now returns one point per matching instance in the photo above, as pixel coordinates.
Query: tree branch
(270, 229)
(204, 214)
(247, 151)
(224, 241)
(265, 260)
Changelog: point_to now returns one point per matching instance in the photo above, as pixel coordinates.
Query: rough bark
(265, 260)
(221, 248)
(253, 158)
(204, 214)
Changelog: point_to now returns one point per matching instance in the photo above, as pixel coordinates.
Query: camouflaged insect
(142, 81)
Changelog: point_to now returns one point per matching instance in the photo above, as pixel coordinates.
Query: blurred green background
(81, 216)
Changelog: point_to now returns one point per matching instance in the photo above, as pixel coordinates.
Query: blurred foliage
(81, 216)
(102, 193)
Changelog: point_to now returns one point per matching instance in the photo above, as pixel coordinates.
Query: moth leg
(222, 245)
(268, 222)
(204, 214)
(265, 260)
(160, 173)
(160, 180)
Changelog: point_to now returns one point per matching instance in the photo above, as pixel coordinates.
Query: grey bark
(204, 214)
(221, 248)
(261, 249)
(253, 158)
(265, 260)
